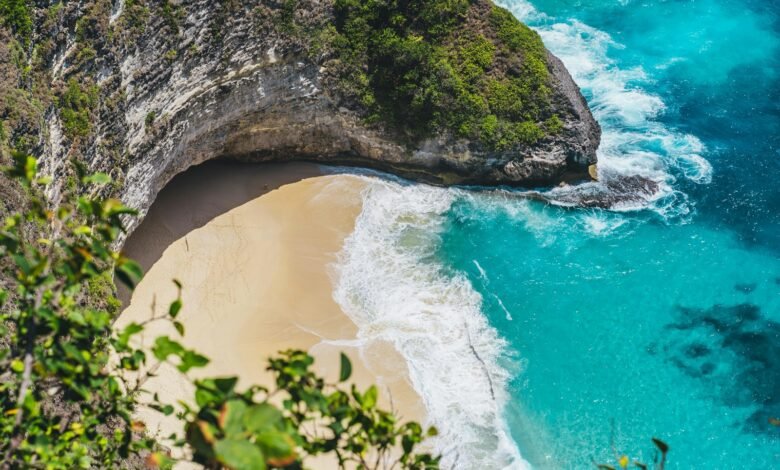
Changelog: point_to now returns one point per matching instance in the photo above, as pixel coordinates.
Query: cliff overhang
(144, 96)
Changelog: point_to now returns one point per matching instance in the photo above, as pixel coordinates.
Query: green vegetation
(134, 18)
(425, 67)
(16, 15)
(76, 105)
(172, 16)
(71, 382)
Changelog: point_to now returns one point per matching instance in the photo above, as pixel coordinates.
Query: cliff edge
(449, 92)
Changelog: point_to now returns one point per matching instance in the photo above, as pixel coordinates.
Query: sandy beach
(254, 248)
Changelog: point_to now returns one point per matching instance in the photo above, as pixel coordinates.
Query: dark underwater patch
(746, 288)
(735, 350)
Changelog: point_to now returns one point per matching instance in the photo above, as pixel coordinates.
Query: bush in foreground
(71, 383)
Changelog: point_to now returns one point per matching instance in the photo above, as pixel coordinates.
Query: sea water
(556, 337)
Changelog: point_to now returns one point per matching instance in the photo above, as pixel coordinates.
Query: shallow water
(561, 334)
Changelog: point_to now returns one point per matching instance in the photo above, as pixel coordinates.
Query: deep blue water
(656, 322)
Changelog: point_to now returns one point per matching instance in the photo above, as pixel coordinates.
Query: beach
(254, 247)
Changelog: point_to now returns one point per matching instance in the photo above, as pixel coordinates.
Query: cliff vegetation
(464, 67)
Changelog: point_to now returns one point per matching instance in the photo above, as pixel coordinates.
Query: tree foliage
(444, 65)
(71, 383)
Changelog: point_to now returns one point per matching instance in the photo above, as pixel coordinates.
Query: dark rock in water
(697, 350)
(614, 192)
(745, 288)
(707, 368)
(740, 361)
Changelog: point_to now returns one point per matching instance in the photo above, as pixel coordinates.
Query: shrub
(424, 69)
(71, 383)
(76, 105)
(16, 15)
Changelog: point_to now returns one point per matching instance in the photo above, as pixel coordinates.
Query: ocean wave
(390, 284)
(634, 143)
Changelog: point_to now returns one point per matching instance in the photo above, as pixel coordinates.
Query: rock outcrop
(190, 81)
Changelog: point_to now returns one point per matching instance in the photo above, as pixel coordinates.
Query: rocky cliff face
(167, 85)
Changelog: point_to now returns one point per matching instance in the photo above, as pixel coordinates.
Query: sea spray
(390, 284)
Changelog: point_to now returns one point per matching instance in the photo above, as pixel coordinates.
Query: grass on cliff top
(427, 67)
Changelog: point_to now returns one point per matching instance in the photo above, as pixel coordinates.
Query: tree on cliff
(71, 382)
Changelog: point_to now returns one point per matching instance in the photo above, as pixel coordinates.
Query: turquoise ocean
(551, 336)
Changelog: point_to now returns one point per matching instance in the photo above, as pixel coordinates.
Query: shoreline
(254, 247)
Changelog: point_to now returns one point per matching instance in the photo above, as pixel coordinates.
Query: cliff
(143, 90)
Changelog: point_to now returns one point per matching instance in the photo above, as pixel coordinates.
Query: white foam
(600, 224)
(482, 273)
(390, 284)
(633, 141)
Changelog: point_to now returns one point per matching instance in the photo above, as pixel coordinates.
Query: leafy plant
(71, 382)
(228, 427)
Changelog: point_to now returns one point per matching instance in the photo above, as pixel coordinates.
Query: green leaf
(129, 272)
(190, 359)
(370, 397)
(278, 447)
(30, 168)
(346, 368)
(225, 384)
(179, 327)
(239, 455)
(261, 417)
(231, 417)
(159, 460)
(113, 207)
(17, 366)
(209, 391)
(164, 347)
(200, 436)
(175, 308)
(97, 178)
(662, 446)
(167, 410)
(128, 332)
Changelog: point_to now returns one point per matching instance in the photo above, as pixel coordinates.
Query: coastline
(257, 278)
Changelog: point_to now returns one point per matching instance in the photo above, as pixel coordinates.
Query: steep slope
(446, 92)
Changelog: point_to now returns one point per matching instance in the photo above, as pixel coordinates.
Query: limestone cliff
(145, 89)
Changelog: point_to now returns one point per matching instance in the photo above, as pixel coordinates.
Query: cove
(661, 322)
